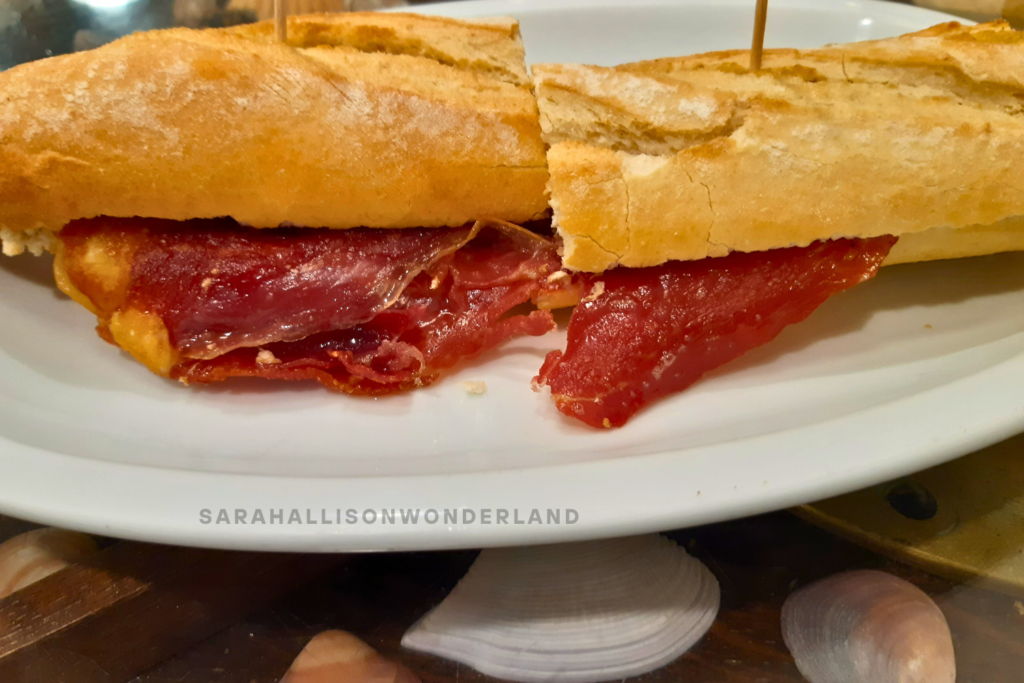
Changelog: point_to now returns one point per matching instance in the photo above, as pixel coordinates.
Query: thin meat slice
(391, 353)
(218, 286)
(361, 311)
(456, 312)
(644, 333)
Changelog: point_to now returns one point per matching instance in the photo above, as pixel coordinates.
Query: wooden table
(758, 561)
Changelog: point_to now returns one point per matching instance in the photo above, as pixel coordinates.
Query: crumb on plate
(474, 387)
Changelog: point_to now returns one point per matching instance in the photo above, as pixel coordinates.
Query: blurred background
(33, 29)
(980, 10)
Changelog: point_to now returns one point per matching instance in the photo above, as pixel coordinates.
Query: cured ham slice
(218, 286)
(642, 333)
(361, 311)
(380, 311)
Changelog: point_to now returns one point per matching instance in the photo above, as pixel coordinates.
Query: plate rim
(953, 429)
(961, 429)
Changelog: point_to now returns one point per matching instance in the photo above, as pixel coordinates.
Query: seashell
(336, 657)
(574, 612)
(35, 555)
(867, 627)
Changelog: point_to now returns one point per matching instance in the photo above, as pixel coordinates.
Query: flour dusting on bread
(697, 156)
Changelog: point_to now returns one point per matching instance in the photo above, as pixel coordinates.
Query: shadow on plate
(37, 270)
(899, 288)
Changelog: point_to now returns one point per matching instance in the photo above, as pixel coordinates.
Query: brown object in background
(34, 555)
(191, 14)
(373, 5)
(759, 562)
(980, 10)
(963, 520)
(133, 605)
(339, 657)
(264, 9)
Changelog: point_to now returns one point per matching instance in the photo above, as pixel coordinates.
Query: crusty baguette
(379, 120)
(487, 47)
(694, 157)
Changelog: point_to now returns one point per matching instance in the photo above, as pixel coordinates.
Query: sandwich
(706, 206)
(345, 207)
(387, 195)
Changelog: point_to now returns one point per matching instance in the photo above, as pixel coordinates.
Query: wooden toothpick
(757, 46)
(281, 20)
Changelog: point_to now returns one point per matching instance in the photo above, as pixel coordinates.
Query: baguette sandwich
(799, 177)
(374, 201)
(177, 175)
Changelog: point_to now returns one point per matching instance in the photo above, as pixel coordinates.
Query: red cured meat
(408, 346)
(650, 332)
(361, 311)
(371, 359)
(219, 287)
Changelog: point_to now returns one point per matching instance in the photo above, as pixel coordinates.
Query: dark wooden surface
(758, 561)
(133, 605)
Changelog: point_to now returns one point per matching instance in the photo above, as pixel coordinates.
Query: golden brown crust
(182, 124)
(490, 47)
(696, 156)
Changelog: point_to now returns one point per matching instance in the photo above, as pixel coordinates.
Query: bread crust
(489, 47)
(694, 157)
(376, 120)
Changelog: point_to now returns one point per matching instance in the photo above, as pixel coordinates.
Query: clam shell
(35, 555)
(339, 657)
(868, 627)
(576, 612)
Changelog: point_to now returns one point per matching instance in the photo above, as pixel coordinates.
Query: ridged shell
(35, 555)
(339, 657)
(868, 627)
(577, 612)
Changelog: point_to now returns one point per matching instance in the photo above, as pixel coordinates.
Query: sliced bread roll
(697, 156)
(378, 120)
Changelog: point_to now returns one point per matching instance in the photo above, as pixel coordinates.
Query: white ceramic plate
(923, 364)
